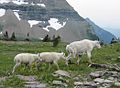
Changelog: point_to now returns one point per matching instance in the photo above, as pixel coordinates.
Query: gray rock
(27, 78)
(2, 78)
(102, 87)
(62, 73)
(111, 73)
(96, 74)
(106, 85)
(34, 85)
(117, 84)
(41, 86)
(78, 83)
(111, 78)
(76, 79)
(85, 84)
(99, 80)
(103, 79)
(55, 75)
(108, 81)
(30, 86)
(57, 82)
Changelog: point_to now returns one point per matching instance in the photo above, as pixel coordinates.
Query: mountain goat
(81, 47)
(25, 58)
(52, 57)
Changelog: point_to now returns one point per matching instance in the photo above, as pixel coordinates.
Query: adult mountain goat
(77, 48)
(52, 57)
(25, 58)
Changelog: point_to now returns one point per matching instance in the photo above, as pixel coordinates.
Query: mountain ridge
(101, 33)
(75, 27)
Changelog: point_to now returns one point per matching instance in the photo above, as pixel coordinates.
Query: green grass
(13, 82)
(106, 55)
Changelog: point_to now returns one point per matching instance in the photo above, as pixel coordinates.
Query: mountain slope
(103, 35)
(70, 26)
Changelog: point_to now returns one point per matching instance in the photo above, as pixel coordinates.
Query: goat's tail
(67, 48)
(71, 50)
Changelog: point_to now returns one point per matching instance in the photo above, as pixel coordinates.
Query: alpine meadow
(107, 54)
(50, 44)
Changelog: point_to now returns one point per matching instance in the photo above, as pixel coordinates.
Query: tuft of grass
(114, 86)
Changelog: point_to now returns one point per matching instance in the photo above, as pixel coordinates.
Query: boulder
(62, 73)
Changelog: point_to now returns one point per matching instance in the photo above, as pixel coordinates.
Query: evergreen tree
(13, 38)
(56, 41)
(27, 39)
(5, 36)
(46, 39)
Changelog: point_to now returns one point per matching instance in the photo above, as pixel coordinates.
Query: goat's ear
(98, 39)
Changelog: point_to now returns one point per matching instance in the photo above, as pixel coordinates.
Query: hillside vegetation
(108, 54)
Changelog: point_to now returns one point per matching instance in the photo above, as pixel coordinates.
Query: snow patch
(1, 33)
(18, 2)
(55, 24)
(33, 22)
(15, 10)
(17, 15)
(42, 5)
(40, 38)
(2, 12)
(46, 28)
(4, 1)
(32, 3)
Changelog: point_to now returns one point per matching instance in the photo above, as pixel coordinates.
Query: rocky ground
(98, 79)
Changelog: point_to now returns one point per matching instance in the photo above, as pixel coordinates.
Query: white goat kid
(25, 58)
(52, 57)
(81, 47)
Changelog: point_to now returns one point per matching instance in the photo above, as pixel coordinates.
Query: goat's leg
(30, 65)
(18, 64)
(68, 58)
(89, 56)
(56, 64)
(37, 65)
(79, 58)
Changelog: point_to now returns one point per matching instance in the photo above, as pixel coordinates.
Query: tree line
(55, 40)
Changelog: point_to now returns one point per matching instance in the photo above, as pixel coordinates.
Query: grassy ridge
(107, 54)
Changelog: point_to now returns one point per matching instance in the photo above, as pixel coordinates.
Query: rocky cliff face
(69, 25)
